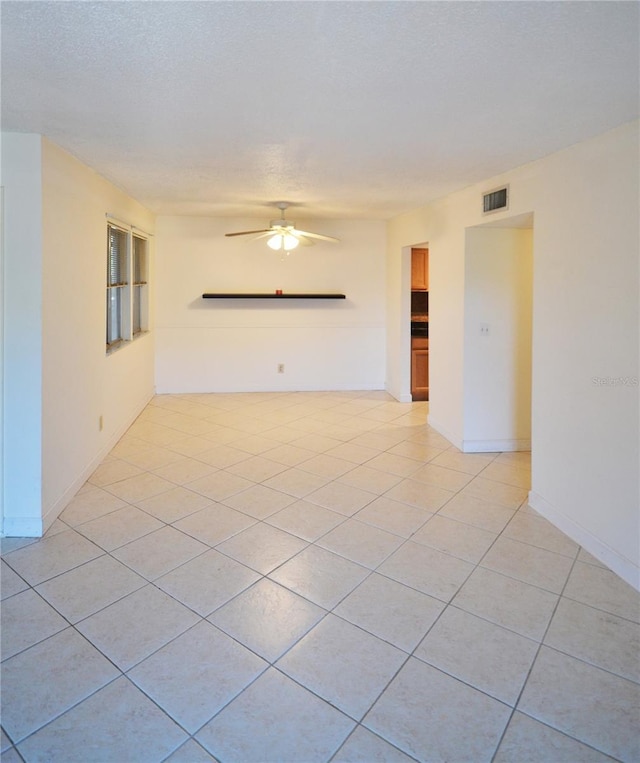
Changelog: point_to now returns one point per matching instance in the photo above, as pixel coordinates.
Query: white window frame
(139, 284)
(130, 280)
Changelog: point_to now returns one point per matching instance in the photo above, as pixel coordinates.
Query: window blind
(117, 261)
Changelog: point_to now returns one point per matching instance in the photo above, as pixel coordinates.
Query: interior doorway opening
(420, 323)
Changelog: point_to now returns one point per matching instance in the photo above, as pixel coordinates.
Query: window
(139, 298)
(127, 276)
(117, 283)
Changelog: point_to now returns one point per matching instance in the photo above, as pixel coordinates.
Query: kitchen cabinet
(420, 368)
(419, 270)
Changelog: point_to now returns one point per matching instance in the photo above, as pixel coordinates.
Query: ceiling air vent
(495, 200)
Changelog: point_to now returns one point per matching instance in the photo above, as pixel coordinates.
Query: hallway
(318, 576)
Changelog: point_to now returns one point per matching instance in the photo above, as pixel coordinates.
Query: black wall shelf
(273, 296)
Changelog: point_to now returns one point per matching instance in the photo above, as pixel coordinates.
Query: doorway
(420, 323)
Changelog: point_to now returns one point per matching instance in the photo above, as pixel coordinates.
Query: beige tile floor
(288, 578)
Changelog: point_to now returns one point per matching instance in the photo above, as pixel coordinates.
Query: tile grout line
(381, 424)
(531, 667)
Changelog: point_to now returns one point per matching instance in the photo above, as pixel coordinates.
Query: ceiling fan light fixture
(282, 241)
(283, 234)
(289, 241)
(275, 242)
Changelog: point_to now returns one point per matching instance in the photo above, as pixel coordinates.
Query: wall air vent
(496, 200)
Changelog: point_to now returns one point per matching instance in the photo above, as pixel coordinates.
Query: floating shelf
(286, 295)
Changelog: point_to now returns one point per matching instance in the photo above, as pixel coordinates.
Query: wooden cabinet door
(420, 269)
(420, 374)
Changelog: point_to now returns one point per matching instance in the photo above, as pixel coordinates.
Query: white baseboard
(480, 446)
(623, 567)
(289, 386)
(495, 446)
(444, 432)
(36, 527)
(401, 397)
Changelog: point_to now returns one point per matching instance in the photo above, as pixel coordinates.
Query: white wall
(586, 326)
(22, 340)
(433, 226)
(585, 439)
(212, 346)
(497, 364)
(59, 378)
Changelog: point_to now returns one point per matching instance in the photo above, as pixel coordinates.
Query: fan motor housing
(281, 224)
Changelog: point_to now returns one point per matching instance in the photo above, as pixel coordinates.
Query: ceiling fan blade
(316, 235)
(303, 240)
(284, 228)
(247, 232)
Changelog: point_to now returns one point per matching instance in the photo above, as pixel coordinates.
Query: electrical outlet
(280, 368)
(484, 329)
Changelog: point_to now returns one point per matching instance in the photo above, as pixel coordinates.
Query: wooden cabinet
(419, 368)
(419, 269)
(419, 313)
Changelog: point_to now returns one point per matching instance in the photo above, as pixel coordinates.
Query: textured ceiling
(348, 109)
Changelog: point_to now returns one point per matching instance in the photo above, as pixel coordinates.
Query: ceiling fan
(283, 235)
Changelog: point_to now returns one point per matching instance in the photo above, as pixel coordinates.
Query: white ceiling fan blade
(316, 235)
(285, 228)
(302, 240)
(247, 232)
